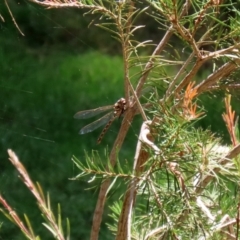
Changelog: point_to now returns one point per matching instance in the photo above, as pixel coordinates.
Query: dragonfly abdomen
(105, 130)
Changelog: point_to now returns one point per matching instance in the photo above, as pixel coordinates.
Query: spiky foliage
(182, 182)
(51, 223)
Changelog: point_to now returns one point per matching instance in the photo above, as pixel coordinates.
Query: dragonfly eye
(122, 104)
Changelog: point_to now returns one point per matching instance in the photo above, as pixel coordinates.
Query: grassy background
(39, 96)
(45, 78)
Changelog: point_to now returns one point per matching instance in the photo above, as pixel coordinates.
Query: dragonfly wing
(94, 125)
(92, 112)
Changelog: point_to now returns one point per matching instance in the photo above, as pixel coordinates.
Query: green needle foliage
(182, 182)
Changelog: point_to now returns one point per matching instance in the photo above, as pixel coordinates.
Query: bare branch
(13, 19)
(220, 73)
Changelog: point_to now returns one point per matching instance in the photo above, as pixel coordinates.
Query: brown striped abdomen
(105, 130)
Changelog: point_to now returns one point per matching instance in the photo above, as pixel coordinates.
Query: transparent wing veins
(94, 125)
(92, 112)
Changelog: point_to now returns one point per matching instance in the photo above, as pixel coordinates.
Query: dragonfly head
(120, 107)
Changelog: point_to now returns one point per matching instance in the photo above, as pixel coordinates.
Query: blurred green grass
(39, 94)
(44, 81)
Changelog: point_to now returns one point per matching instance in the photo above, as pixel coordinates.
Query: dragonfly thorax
(120, 107)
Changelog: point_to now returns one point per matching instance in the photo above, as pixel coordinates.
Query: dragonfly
(118, 110)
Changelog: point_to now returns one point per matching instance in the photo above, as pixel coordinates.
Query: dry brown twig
(13, 19)
(75, 4)
(217, 75)
(37, 194)
(16, 219)
(141, 156)
(1, 17)
(190, 108)
(229, 119)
